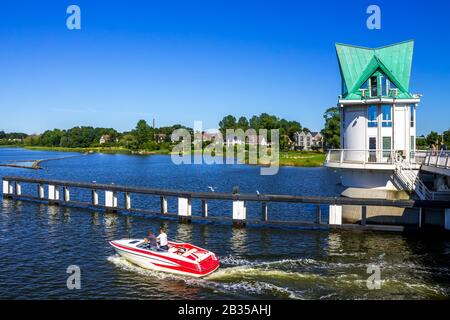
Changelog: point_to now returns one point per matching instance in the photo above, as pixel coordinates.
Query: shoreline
(309, 159)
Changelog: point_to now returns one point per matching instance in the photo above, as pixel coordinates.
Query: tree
(143, 133)
(447, 137)
(243, 123)
(332, 130)
(228, 122)
(433, 138)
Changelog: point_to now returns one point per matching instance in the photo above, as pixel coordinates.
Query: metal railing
(361, 156)
(438, 159)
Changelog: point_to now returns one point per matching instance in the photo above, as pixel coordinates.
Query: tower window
(384, 85)
(411, 112)
(373, 87)
(387, 116)
(372, 115)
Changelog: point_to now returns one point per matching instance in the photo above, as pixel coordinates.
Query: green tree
(332, 131)
(143, 133)
(433, 138)
(243, 123)
(228, 122)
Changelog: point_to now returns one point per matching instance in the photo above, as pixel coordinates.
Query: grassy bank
(287, 158)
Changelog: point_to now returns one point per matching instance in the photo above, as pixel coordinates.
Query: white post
(335, 215)
(18, 188)
(95, 197)
(53, 192)
(110, 199)
(66, 194)
(6, 185)
(163, 205)
(40, 190)
(184, 208)
(239, 212)
(447, 219)
(127, 201)
(204, 209)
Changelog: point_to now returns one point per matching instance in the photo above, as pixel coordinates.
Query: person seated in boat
(162, 239)
(151, 241)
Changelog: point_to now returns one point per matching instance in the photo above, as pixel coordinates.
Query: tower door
(372, 149)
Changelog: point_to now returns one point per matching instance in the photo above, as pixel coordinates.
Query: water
(38, 242)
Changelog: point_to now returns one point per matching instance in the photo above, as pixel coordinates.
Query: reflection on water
(255, 262)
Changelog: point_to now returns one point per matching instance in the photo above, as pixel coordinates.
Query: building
(160, 137)
(308, 140)
(378, 114)
(105, 139)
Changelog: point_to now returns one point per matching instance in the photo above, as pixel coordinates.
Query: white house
(308, 140)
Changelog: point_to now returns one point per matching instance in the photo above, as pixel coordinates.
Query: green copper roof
(357, 64)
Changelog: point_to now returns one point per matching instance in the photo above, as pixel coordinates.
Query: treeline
(143, 137)
(434, 138)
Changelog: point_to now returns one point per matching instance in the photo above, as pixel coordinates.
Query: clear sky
(180, 61)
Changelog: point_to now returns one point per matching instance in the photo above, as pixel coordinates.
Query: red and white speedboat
(181, 258)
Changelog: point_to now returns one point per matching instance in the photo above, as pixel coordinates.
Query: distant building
(308, 140)
(106, 138)
(252, 139)
(160, 137)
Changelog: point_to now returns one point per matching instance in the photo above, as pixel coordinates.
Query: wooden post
(18, 189)
(318, 214)
(66, 194)
(335, 215)
(204, 209)
(363, 215)
(184, 209)
(94, 197)
(127, 201)
(422, 217)
(53, 194)
(40, 191)
(163, 204)
(110, 200)
(239, 213)
(264, 211)
(7, 189)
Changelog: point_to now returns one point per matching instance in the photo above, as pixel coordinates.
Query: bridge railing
(58, 192)
(439, 159)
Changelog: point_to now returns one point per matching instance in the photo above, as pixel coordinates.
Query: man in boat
(151, 240)
(162, 239)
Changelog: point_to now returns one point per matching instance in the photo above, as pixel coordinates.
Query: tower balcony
(373, 159)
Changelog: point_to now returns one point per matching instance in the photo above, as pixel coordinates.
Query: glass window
(372, 115)
(411, 112)
(384, 85)
(387, 146)
(373, 87)
(387, 116)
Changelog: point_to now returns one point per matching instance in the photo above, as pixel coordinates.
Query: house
(308, 140)
(160, 137)
(106, 138)
(251, 140)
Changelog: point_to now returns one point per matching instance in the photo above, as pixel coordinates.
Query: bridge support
(7, 189)
(66, 194)
(447, 219)
(127, 198)
(184, 209)
(335, 215)
(204, 209)
(110, 201)
(53, 194)
(239, 213)
(163, 205)
(94, 199)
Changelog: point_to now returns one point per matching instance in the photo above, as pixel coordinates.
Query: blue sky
(180, 61)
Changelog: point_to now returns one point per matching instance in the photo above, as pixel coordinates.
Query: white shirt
(162, 239)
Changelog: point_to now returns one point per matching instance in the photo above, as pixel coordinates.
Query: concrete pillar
(239, 212)
(447, 219)
(66, 194)
(18, 189)
(40, 191)
(94, 197)
(163, 204)
(184, 209)
(204, 209)
(53, 192)
(264, 211)
(127, 201)
(110, 199)
(335, 215)
(6, 187)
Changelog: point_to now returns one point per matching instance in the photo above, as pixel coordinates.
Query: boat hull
(165, 261)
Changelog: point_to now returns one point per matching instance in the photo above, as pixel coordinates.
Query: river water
(39, 242)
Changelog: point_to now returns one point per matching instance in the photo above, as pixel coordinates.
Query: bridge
(59, 192)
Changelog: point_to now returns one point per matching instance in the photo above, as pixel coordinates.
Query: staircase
(409, 179)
